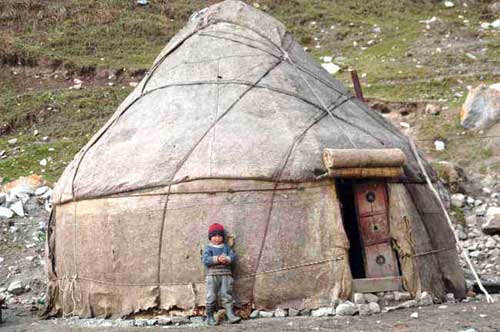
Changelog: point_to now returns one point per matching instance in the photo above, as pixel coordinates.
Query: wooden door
(372, 211)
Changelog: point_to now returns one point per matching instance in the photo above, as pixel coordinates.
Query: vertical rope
(489, 299)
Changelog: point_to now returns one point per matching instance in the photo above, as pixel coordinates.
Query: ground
(478, 316)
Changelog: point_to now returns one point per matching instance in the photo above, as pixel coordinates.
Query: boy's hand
(222, 259)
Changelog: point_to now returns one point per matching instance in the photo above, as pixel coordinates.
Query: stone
(371, 298)
(43, 162)
(449, 4)
(266, 314)
(490, 243)
(162, 321)
(364, 310)
(305, 312)
(42, 190)
(414, 315)
(432, 109)
(198, 320)
(292, 312)
(5, 213)
(255, 314)
(439, 145)
(470, 200)
(450, 297)
(481, 108)
(346, 309)
(140, 322)
(3, 198)
(16, 288)
(408, 304)
(330, 67)
(18, 208)
(481, 210)
(425, 299)
(374, 307)
(461, 235)
(280, 313)
(494, 8)
(179, 320)
(359, 298)
(457, 200)
(492, 224)
(12, 141)
(322, 312)
(402, 296)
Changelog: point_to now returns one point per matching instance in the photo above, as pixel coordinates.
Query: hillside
(66, 65)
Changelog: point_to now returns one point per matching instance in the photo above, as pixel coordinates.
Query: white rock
(449, 4)
(12, 141)
(322, 312)
(6, 213)
(426, 299)
(404, 125)
(492, 224)
(18, 208)
(292, 312)
(255, 314)
(495, 24)
(490, 243)
(457, 200)
(374, 307)
(402, 296)
(30, 258)
(42, 190)
(133, 84)
(486, 190)
(266, 314)
(364, 310)
(439, 145)
(414, 315)
(359, 298)
(330, 67)
(77, 81)
(43, 162)
(16, 288)
(327, 59)
(470, 200)
(371, 298)
(280, 313)
(1, 260)
(346, 309)
(450, 297)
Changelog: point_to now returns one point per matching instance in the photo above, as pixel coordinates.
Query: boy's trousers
(220, 287)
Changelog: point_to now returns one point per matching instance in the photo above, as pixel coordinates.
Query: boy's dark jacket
(213, 268)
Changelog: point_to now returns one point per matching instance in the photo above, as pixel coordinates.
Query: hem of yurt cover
(80, 291)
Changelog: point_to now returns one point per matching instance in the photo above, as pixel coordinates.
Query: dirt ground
(472, 316)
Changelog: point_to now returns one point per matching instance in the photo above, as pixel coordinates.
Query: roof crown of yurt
(236, 124)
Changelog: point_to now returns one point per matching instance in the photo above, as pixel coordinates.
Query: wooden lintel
(373, 285)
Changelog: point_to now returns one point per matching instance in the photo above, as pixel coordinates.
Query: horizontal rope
(432, 252)
(252, 275)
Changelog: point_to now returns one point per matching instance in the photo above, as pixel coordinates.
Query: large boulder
(492, 224)
(482, 107)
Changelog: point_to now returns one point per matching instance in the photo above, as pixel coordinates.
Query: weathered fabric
(219, 287)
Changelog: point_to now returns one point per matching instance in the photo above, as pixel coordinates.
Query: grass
(384, 39)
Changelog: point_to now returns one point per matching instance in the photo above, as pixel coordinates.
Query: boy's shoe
(210, 317)
(231, 317)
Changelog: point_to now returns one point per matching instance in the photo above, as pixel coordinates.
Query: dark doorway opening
(345, 194)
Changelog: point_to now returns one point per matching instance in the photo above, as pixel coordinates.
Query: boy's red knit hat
(215, 229)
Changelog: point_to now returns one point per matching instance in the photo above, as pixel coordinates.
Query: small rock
(42, 190)
(405, 125)
(6, 213)
(442, 307)
(414, 315)
(3, 198)
(43, 162)
(280, 313)
(305, 312)
(432, 109)
(198, 320)
(402, 296)
(450, 297)
(266, 314)
(293, 312)
(426, 299)
(364, 310)
(133, 84)
(371, 298)
(346, 309)
(322, 312)
(179, 320)
(490, 243)
(408, 304)
(18, 208)
(457, 200)
(330, 67)
(12, 141)
(374, 307)
(492, 224)
(439, 145)
(359, 298)
(163, 321)
(255, 314)
(16, 288)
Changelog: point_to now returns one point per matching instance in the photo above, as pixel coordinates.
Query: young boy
(218, 258)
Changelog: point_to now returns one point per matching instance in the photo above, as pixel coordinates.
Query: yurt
(236, 124)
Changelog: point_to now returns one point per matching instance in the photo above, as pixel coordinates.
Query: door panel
(371, 205)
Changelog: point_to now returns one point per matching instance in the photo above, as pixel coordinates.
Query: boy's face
(216, 239)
